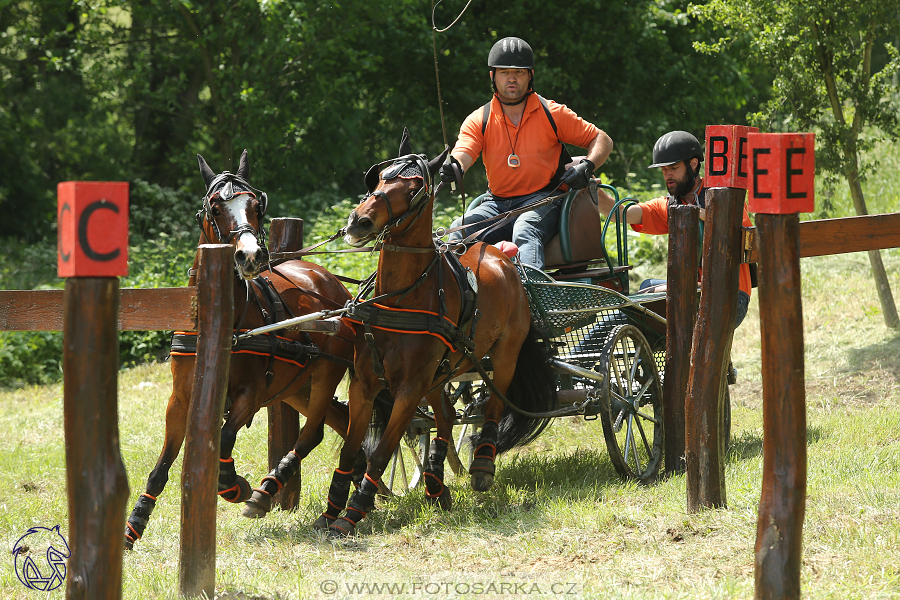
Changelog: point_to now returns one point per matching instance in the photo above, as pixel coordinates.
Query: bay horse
(423, 326)
(304, 372)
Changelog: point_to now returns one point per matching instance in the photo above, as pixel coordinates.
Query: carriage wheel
(631, 406)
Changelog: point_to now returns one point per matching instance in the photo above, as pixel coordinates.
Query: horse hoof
(129, 545)
(258, 506)
(444, 500)
(341, 528)
(482, 473)
(482, 482)
(322, 523)
(240, 492)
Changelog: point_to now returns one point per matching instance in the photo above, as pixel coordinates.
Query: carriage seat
(576, 252)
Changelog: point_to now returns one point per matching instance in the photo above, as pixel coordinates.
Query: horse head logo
(40, 558)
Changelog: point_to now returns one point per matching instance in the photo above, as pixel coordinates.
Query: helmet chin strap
(517, 102)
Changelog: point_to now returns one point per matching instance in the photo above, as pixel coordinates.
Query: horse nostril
(365, 223)
(240, 257)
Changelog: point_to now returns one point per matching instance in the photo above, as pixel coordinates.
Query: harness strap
(377, 365)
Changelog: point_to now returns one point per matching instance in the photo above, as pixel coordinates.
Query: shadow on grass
(883, 356)
(750, 444)
(527, 489)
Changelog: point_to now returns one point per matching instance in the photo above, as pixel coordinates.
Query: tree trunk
(851, 157)
(888, 308)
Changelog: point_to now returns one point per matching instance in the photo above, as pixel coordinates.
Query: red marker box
(727, 155)
(92, 220)
(782, 173)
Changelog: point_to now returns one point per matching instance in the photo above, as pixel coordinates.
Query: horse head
(233, 215)
(398, 189)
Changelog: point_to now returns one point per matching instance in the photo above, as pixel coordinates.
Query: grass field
(558, 522)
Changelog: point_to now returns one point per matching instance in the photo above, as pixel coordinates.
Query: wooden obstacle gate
(90, 312)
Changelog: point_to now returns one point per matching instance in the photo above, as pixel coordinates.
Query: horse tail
(533, 389)
(381, 414)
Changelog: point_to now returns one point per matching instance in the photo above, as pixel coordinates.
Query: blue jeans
(743, 299)
(529, 231)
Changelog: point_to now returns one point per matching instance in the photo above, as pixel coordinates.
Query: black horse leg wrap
(227, 474)
(487, 441)
(137, 521)
(362, 501)
(338, 493)
(287, 468)
(434, 470)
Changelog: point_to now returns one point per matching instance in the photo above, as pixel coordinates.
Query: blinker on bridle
(225, 193)
(411, 166)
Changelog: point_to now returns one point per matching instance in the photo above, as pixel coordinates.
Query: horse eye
(216, 212)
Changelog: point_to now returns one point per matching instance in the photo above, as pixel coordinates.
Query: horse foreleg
(484, 457)
(435, 490)
(176, 415)
(339, 490)
(232, 487)
(363, 499)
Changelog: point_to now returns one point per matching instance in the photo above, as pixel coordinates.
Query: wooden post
(681, 313)
(95, 475)
(783, 186)
(713, 334)
(286, 235)
(200, 474)
(782, 505)
(92, 252)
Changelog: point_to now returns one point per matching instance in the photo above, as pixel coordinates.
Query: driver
(519, 136)
(678, 155)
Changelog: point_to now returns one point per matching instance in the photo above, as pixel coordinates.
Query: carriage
(568, 341)
(606, 347)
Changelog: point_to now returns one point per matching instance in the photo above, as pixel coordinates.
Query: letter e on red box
(727, 156)
(782, 173)
(92, 221)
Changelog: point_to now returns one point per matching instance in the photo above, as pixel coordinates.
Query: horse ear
(244, 167)
(434, 165)
(205, 171)
(405, 147)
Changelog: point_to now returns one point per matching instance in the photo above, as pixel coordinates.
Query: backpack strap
(549, 116)
(484, 118)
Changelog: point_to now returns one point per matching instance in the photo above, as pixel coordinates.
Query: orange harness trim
(413, 332)
(287, 360)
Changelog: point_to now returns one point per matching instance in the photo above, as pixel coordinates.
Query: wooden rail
(836, 236)
(159, 309)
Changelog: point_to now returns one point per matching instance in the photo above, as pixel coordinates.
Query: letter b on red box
(92, 220)
(782, 173)
(727, 158)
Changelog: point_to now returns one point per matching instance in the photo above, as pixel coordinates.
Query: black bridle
(222, 186)
(410, 166)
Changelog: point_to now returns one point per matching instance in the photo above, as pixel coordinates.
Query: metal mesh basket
(562, 307)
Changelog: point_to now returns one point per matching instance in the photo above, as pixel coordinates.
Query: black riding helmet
(511, 53)
(674, 147)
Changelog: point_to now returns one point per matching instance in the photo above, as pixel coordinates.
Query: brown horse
(421, 329)
(304, 374)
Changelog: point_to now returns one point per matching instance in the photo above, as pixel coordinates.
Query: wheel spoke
(643, 390)
(623, 349)
(653, 420)
(635, 361)
(637, 455)
(640, 428)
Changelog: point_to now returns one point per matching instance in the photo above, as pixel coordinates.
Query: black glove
(578, 176)
(451, 171)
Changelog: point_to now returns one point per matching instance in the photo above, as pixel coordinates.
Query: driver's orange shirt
(533, 141)
(655, 221)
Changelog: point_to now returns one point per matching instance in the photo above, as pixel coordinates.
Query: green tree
(827, 80)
